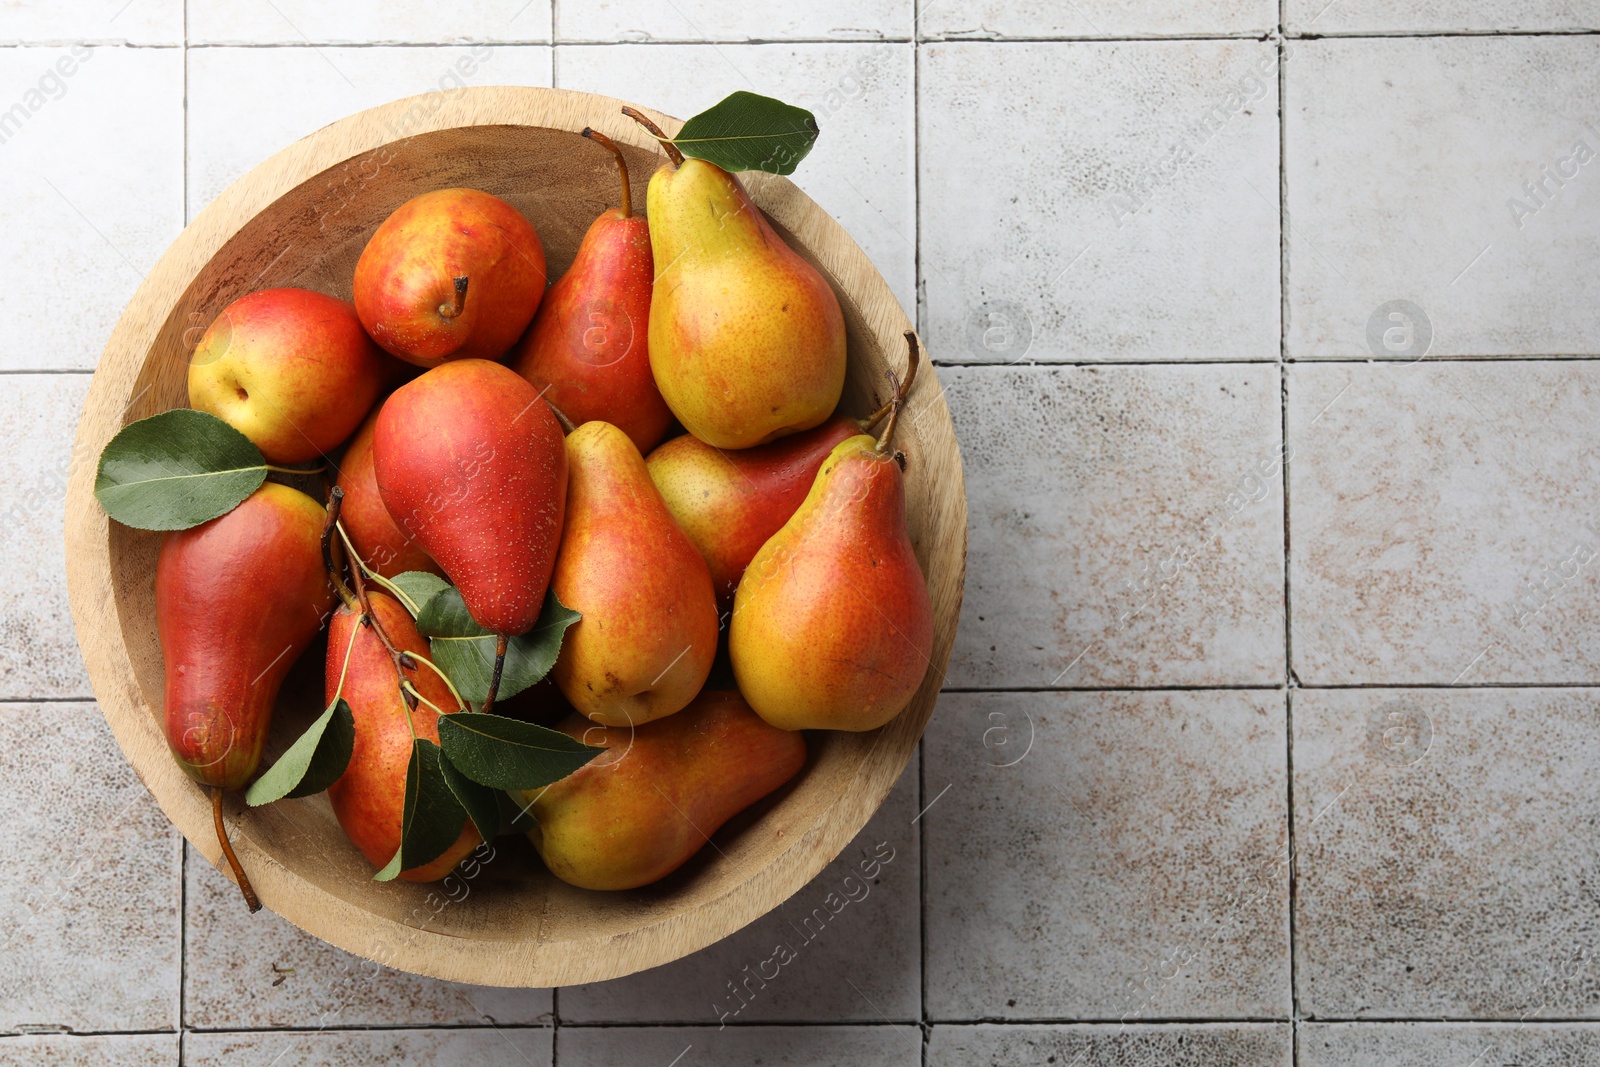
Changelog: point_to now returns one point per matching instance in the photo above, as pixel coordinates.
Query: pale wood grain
(302, 218)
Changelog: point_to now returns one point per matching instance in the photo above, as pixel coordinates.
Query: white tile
(257, 971)
(862, 168)
(1107, 18)
(92, 185)
(1443, 522)
(247, 103)
(1126, 526)
(366, 22)
(38, 650)
(89, 923)
(1117, 856)
(1406, 161)
(1099, 201)
(1444, 866)
(766, 1046)
(853, 948)
(1438, 16)
(1235, 1044)
(376, 1048)
(101, 1050)
(732, 20)
(1534, 1043)
(142, 22)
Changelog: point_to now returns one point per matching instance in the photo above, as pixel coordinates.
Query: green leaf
(508, 753)
(176, 470)
(313, 763)
(433, 816)
(465, 651)
(417, 588)
(750, 132)
(479, 800)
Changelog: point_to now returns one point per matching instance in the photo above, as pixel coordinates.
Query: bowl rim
(437, 953)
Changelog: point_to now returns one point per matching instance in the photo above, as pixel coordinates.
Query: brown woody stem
(402, 660)
(622, 167)
(451, 310)
(494, 679)
(655, 131)
(899, 389)
(250, 898)
(335, 575)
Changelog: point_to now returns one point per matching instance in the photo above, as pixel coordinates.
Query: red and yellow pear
(369, 798)
(452, 274)
(832, 624)
(637, 812)
(290, 369)
(648, 634)
(471, 465)
(587, 348)
(237, 600)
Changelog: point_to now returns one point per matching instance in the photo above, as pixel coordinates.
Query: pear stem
(494, 679)
(402, 660)
(904, 388)
(296, 470)
(249, 891)
(456, 307)
(461, 705)
(335, 500)
(655, 131)
(622, 167)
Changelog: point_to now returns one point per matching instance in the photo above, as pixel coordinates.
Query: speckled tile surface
(1443, 522)
(1116, 856)
(1269, 333)
(1443, 865)
(1126, 526)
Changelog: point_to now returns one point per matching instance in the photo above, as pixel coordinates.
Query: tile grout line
(1283, 442)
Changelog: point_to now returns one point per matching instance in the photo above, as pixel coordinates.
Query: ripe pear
(832, 624)
(237, 600)
(587, 348)
(648, 634)
(637, 812)
(382, 545)
(747, 341)
(369, 798)
(452, 274)
(290, 369)
(471, 465)
(730, 503)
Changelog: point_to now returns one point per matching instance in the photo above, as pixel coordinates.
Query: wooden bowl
(302, 218)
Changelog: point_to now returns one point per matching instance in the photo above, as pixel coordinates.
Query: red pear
(452, 274)
(237, 600)
(472, 466)
(382, 545)
(369, 798)
(588, 348)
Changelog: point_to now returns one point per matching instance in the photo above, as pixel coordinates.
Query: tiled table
(1268, 333)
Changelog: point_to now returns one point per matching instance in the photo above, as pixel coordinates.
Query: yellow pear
(747, 341)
